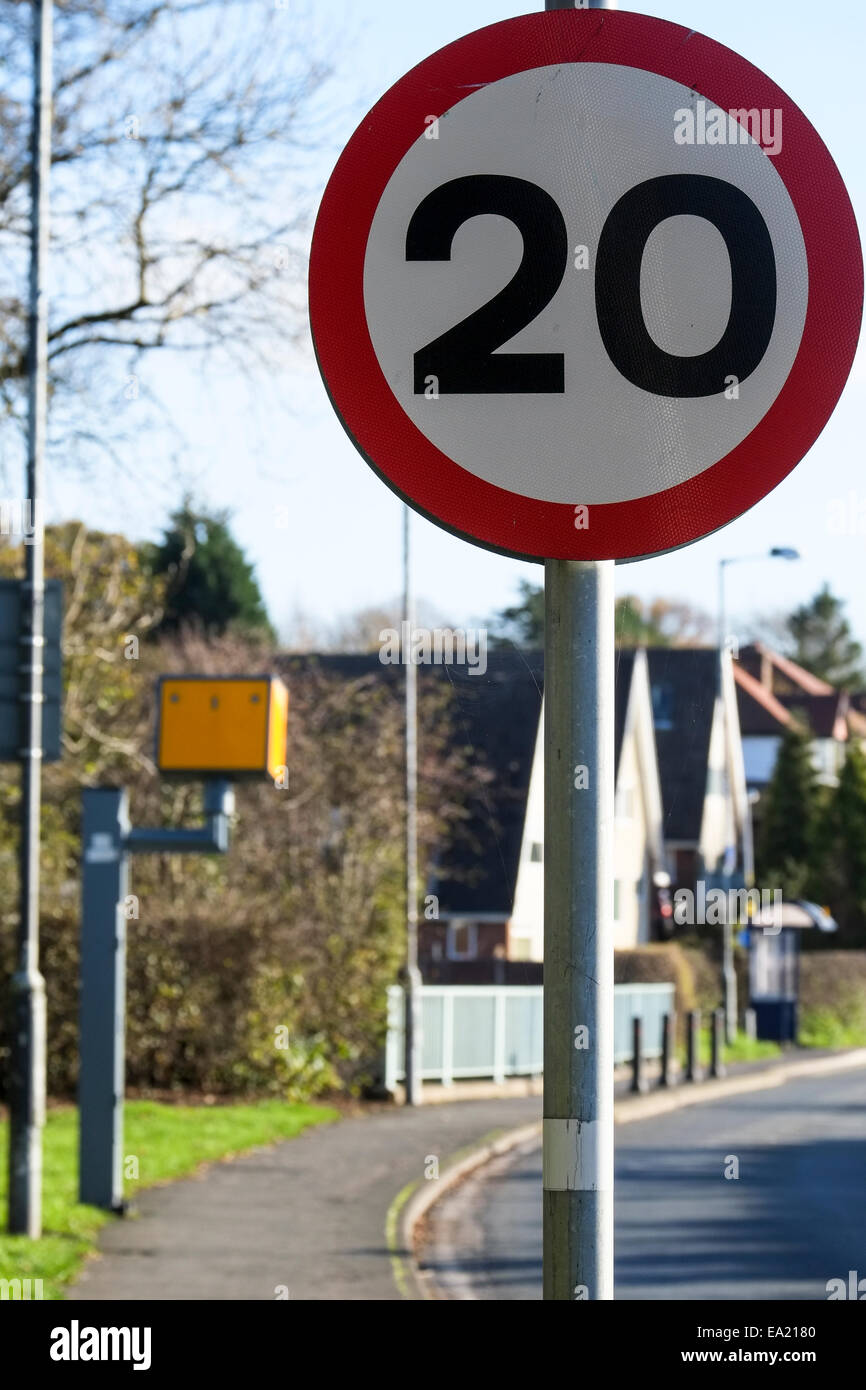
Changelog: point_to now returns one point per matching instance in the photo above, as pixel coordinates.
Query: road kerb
(407, 1210)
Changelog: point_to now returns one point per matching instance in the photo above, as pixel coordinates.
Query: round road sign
(585, 285)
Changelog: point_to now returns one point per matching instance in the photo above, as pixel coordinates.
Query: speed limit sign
(584, 285)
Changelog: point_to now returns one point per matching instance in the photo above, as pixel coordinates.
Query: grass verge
(742, 1049)
(832, 1029)
(167, 1141)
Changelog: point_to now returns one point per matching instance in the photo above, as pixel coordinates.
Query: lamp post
(412, 975)
(729, 977)
(778, 552)
(27, 1049)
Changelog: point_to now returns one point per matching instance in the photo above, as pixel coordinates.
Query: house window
(663, 705)
(536, 853)
(462, 941)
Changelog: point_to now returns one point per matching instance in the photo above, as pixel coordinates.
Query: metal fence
(496, 1030)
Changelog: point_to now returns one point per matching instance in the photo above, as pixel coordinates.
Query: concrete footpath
(310, 1213)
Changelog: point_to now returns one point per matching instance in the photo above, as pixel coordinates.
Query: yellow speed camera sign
(231, 726)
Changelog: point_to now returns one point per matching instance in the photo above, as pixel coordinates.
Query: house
(707, 818)
(490, 886)
(772, 691)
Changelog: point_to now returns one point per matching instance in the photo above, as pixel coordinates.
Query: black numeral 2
(462, 359)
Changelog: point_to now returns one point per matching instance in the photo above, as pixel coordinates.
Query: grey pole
(578, 940)
(729, 974)
(107, 840)
(412, 984)
(722, 616)
(27, 1059)
(578, 918)
(105, 879)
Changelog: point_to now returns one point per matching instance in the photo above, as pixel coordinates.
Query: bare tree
(182, 135)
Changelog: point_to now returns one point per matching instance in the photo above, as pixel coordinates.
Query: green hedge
(833, 998)
(661, 963)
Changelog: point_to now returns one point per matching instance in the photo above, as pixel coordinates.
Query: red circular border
(507, 521)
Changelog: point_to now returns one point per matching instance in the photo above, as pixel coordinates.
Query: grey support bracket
(211, 838)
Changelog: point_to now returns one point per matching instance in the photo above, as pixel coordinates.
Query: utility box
(222, 726)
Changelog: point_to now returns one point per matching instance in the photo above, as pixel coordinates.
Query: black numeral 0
(462, 359)
(617, 285)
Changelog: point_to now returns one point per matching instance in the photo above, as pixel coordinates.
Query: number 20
(462, 359)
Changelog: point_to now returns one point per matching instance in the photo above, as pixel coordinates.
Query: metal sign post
(577, 1158)
(107, 841)
(578, 919)
(105, 879)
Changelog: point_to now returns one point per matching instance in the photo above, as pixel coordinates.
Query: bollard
(693, 1033)
(668, 1037)
(637, 1082)
(717, 1042)
(750, 1024)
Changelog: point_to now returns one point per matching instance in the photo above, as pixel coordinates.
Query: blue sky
(324, 533)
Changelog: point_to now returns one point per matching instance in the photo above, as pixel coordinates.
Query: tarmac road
(794, 1218)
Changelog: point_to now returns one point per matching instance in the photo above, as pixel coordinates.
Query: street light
(729, 977)
(27, 1033)
(778, 552)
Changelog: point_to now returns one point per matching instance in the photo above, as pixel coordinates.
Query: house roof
(766, 704)
(496, 717)
(756, 658)
(824, 715)
(683, 681)
(760, 712)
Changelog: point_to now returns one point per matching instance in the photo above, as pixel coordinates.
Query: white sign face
(586, 133)
(585, 286)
